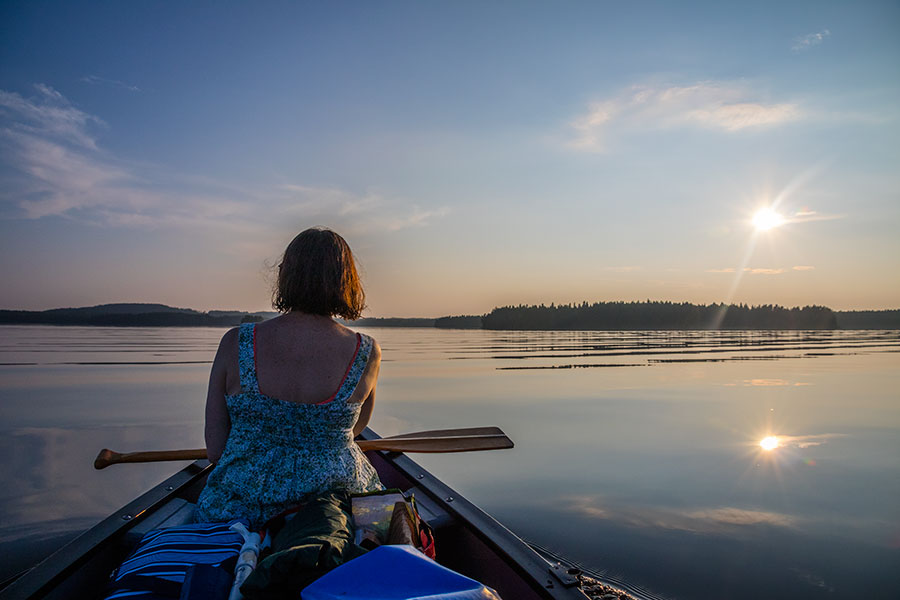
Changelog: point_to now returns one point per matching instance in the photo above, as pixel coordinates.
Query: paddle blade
(470, 443)
(448, 433)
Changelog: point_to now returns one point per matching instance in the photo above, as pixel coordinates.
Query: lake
(637, 453)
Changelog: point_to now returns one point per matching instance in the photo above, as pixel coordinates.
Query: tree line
(658, 315)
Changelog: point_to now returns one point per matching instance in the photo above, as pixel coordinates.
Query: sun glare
(766, 219)
(769, 443)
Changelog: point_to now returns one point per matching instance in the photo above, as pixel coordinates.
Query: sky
(473, 154)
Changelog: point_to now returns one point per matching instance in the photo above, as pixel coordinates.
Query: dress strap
(247, 357)
(355, 369)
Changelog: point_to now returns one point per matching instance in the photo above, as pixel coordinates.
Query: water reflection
(637, 453)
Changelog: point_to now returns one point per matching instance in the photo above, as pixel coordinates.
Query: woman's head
(317, 275)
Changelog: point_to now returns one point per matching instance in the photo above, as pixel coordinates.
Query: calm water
(637, 453)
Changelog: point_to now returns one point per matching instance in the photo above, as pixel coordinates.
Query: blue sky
(473, 154)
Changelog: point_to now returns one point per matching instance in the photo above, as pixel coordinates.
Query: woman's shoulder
(373, 347)
(374, 350)
(368, 339)
(230, 339)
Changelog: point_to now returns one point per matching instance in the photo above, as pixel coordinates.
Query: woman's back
(279, 449)
(304, 358)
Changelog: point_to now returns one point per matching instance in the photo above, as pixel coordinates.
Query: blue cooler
(395, 573)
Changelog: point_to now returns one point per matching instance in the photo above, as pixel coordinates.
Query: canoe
(469, 541)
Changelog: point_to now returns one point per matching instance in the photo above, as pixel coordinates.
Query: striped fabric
(158, 566)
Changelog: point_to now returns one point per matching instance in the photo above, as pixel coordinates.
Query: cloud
(758, 271)
(93, 79)
(764, 271)
(807, 441)
(57, 169)
(738, 516)
(727, 107)
(362, 213)
(589, 126)
(415, 217)
(805, 216)
(803, 268)
(722, 520)
(57, 178)
(48, 114)
(766, 382)
(733, 117)
(805, 42)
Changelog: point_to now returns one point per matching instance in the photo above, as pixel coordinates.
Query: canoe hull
(468, 540)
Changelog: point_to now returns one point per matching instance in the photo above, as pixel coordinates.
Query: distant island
(132, 315)
(610, 316)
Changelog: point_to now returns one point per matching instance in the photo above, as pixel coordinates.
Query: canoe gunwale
(527, 563)
(44, 576)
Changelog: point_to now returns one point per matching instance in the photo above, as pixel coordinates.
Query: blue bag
(158, 567)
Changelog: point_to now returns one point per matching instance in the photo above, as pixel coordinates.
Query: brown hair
(317, 275)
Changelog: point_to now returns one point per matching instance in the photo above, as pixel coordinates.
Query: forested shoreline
(671, 315)
(659, 315)
(610, 316)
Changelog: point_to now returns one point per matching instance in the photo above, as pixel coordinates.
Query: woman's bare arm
(218, 423)
(365, 411)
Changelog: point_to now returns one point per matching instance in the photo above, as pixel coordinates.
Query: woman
(287, 396)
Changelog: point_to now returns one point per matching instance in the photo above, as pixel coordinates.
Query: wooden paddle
(442, 440)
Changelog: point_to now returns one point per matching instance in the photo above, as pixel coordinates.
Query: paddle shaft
(425, 441)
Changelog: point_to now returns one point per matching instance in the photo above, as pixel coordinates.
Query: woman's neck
(296, 316)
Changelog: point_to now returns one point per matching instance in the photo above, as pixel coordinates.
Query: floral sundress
(280, 452)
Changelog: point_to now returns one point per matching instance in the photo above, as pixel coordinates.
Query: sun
(769, 443)
(766, 218)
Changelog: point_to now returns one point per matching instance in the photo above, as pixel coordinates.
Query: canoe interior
(468, 540)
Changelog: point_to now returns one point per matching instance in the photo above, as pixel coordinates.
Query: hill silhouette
(128, 315)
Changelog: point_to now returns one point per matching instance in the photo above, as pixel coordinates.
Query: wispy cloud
(764, 271)
(721, 519)
(362, 212)
(48, 114)
(805, 42)
(806, 216)
(415, 217)
(757, 271)
(58, 169)
(739, 516)
(803, 268)
(732, 117)
(94, 79)
(807, 441)
(727, 107)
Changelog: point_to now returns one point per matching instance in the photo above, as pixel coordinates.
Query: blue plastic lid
(395, 573)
